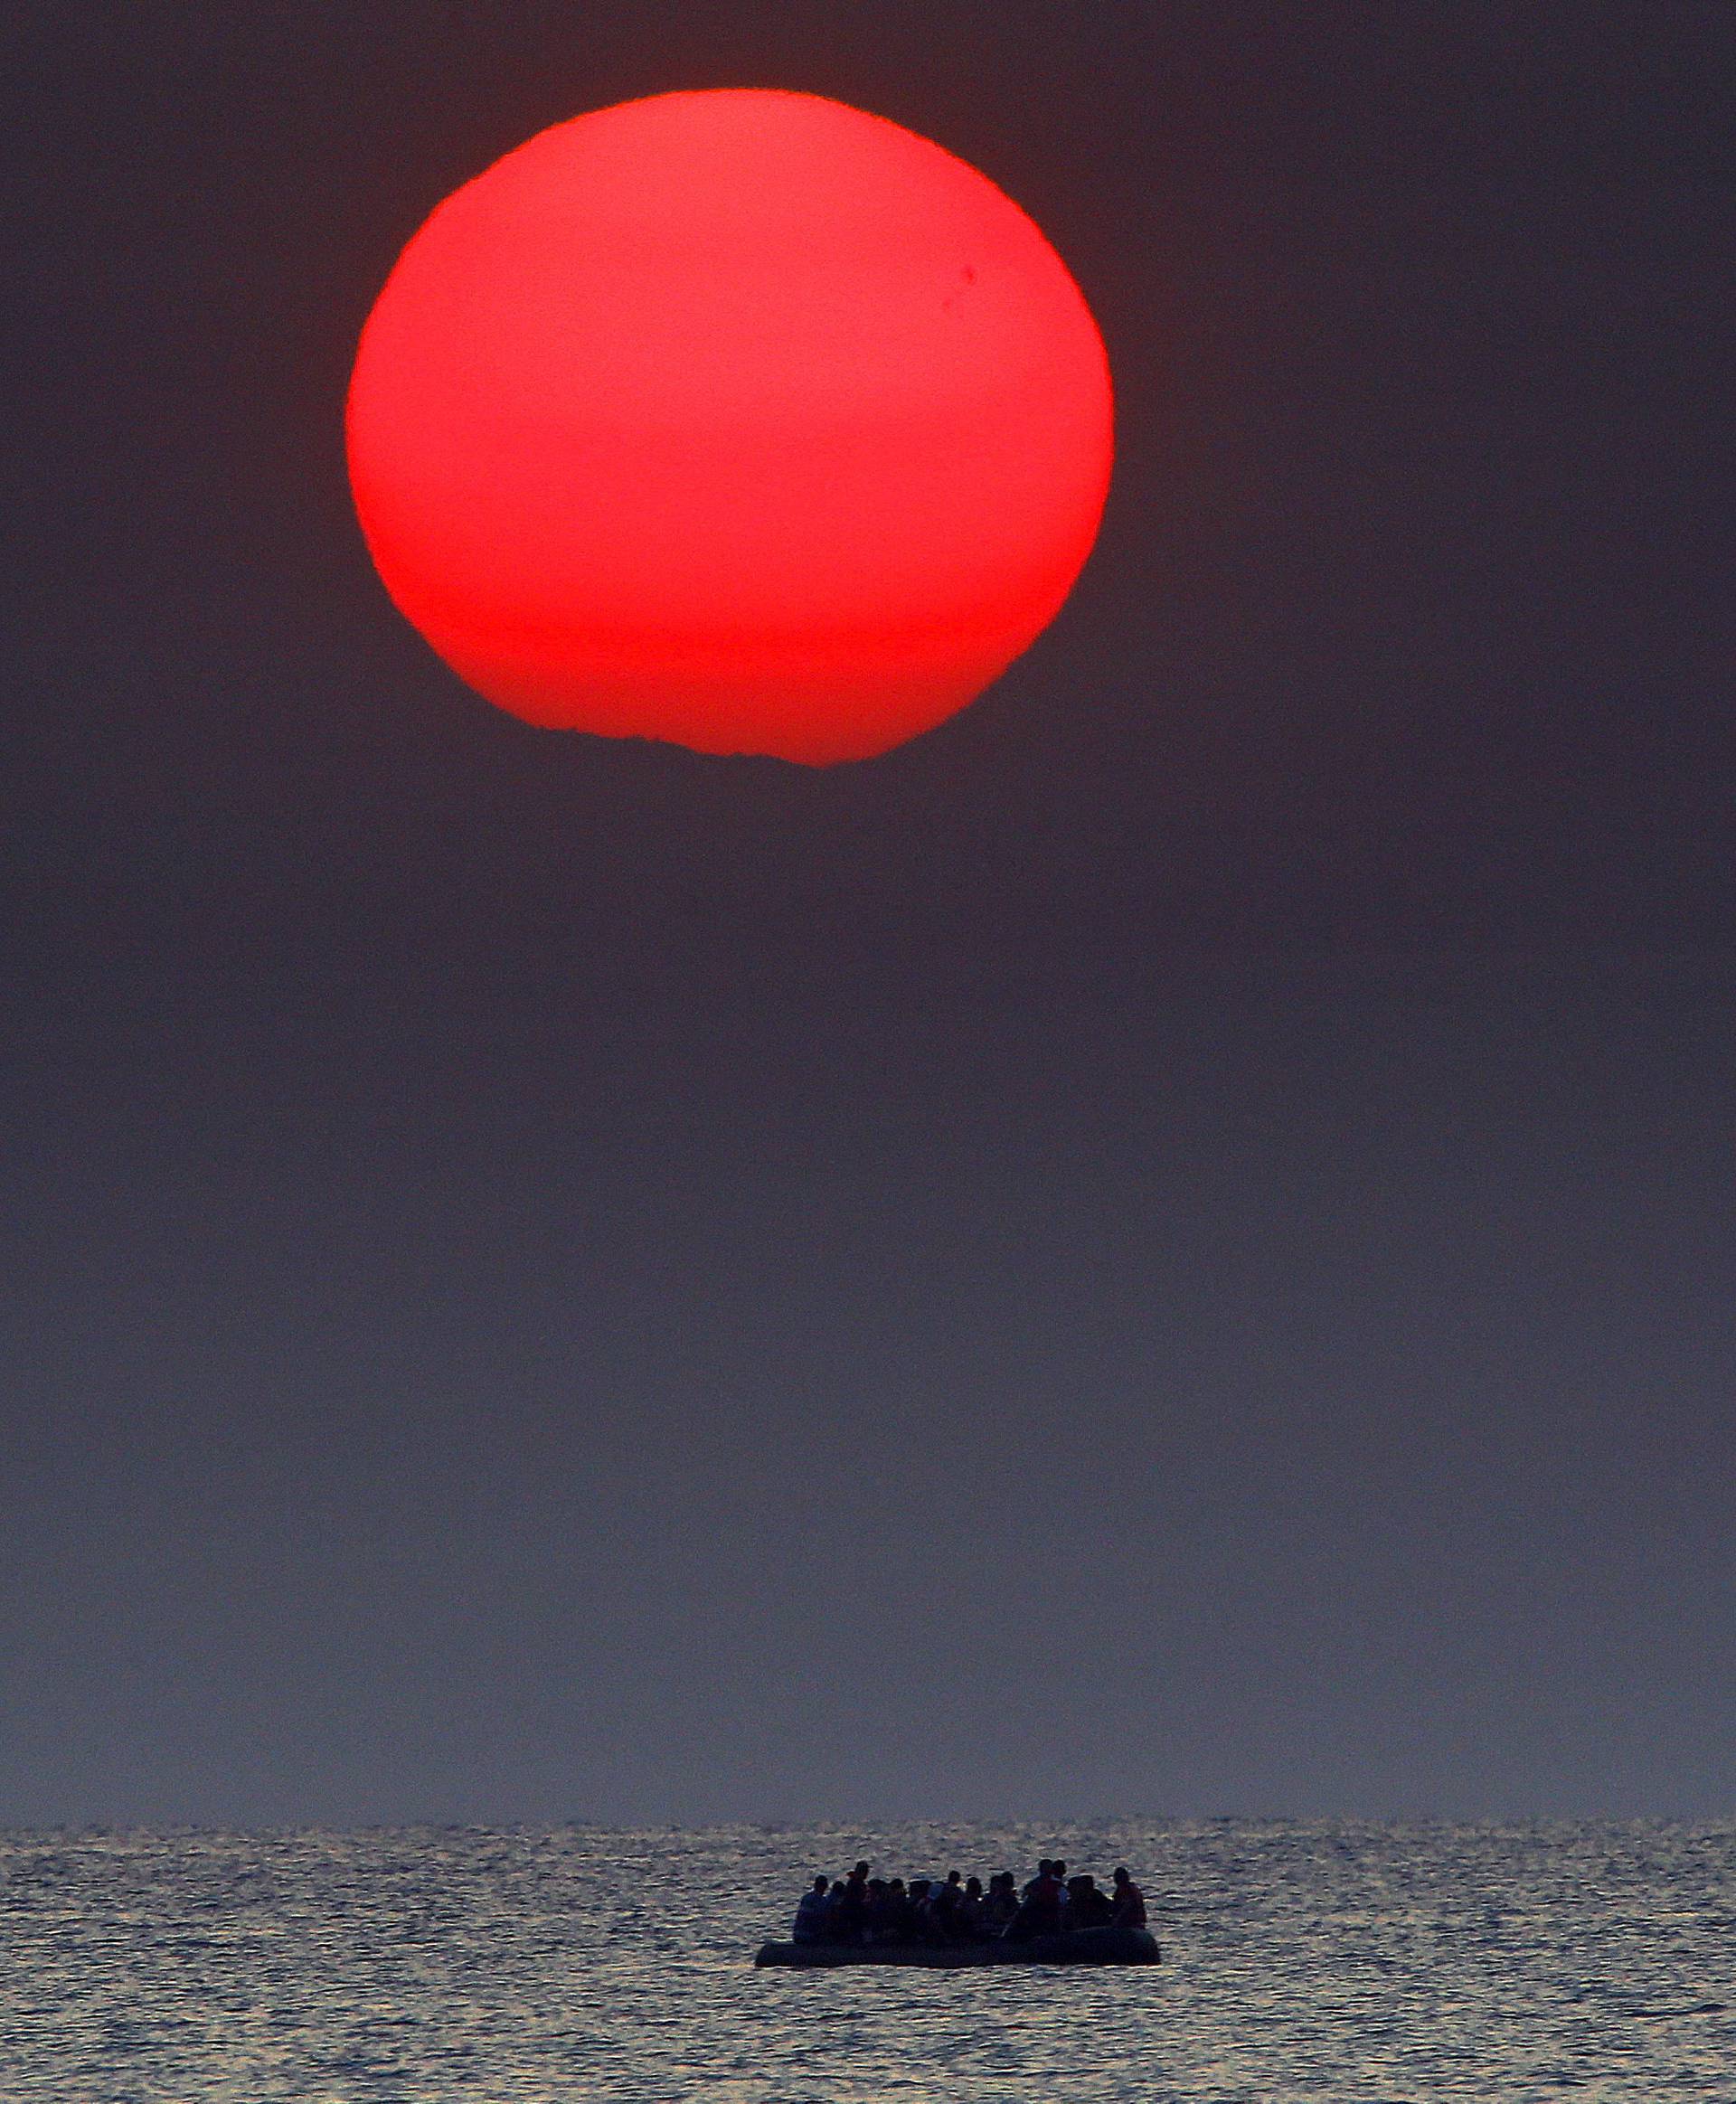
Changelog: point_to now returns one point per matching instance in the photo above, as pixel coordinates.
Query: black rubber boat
(1077, 1946)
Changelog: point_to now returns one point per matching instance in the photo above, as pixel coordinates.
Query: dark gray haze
(1166, 1248)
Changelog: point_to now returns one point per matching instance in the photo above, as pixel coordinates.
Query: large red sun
(740, 418)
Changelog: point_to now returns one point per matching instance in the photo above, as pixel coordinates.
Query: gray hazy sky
(1166, 1247)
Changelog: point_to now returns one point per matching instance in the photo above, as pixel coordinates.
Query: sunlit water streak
(1335, 1961)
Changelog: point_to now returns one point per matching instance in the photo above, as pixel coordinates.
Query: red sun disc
(740, 418)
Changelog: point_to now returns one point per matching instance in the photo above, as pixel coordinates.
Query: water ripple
(1345, 1961)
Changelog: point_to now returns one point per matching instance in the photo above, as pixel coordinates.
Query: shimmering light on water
(1331, 1961)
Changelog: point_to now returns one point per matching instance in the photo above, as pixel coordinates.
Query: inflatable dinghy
(1075, 1946)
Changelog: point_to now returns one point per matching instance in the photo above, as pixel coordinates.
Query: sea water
(1330, 1960)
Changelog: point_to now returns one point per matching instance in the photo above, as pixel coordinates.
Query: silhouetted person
(1001, 1904)
(853, 1912)
(1130, 1910)
(811, 1914)
(944, 1902)
(1039, 1912)
(1087, 1908)
(970, 1916)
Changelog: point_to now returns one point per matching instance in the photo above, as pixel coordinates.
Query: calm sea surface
(1333, 1961)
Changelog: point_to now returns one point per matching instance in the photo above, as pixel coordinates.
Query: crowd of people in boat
(862, 1909)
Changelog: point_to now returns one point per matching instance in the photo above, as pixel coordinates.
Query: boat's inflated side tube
(1078, 1947)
